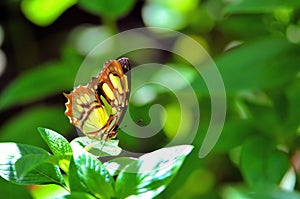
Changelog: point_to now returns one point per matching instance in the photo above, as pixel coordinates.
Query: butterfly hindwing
(97, 108)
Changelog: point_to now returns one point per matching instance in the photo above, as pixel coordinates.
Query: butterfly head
(124, 62)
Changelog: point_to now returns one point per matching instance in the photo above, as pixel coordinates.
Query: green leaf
(276, 194)
(48, 192)
(111, 9)
(51, 78)
(266, 63)
(87, 174)
(234, 133)
(43, 174)
(29, 162)
(150, 175)
(266, 120)
(262, 165)
(23, 126)
(245, 27)
(45, 12)
(258, 6)
(59, 146)
(115, 166)
(32, 161)
(241, 191)
(98, 148)
(77, 195)
(293, 95)
(56, 142)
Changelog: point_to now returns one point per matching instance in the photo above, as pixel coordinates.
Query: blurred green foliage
(254, 43)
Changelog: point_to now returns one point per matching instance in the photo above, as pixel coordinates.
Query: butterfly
(98, 107)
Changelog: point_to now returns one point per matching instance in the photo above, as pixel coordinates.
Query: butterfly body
(98, 108)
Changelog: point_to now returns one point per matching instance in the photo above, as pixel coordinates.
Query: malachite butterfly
(98, 108)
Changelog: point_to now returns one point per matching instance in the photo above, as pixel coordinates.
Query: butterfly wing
(97, 108)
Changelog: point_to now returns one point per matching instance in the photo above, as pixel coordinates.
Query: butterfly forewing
(97, 108)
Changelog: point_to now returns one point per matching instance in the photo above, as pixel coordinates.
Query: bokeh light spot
(144, 95)
(45, 12)
(180, 5)
(182, 45)
(86, 37)
(163, 17)
(283, 14)
(293, 33)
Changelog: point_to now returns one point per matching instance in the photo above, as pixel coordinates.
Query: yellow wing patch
(108, 91)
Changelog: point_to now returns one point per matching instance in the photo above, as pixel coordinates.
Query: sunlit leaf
(99, 148)
(76, 195)
(150, 175)
(45, 12)
(180, 5)
(29, 162)
(49, 191)
(43, 174)
(32, 161)
(59, 146)
(87, 174)
(116, 165)
(56, 142)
